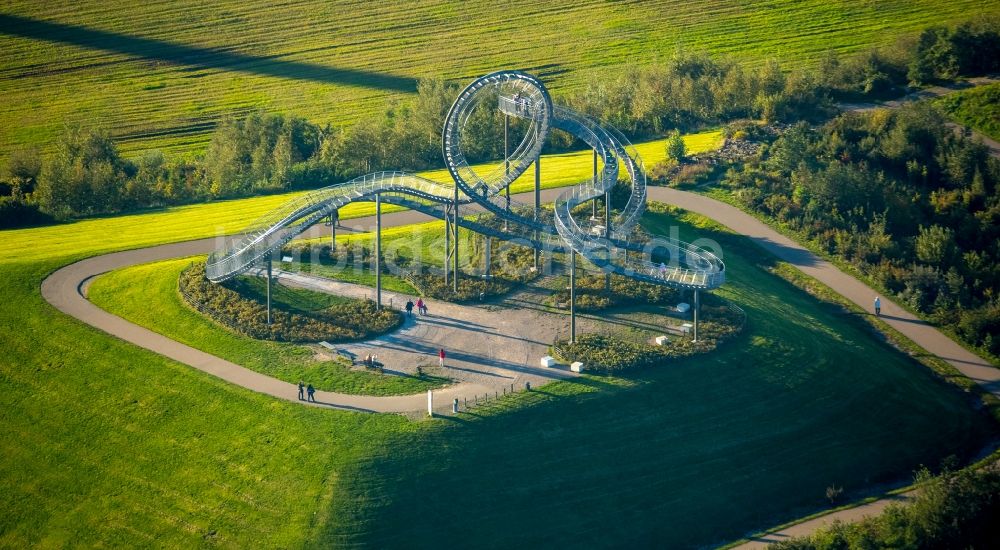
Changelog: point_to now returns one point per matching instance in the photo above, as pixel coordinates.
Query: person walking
(878, 306)
(420, 306)
(441, 357)
(302, 390)
(409, 308)
(312, 392)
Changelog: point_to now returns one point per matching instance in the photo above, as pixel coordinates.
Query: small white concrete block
(576, 366)
(287, 259)
(662, 340)
(686, 327)
(683, 307)
(548, 361)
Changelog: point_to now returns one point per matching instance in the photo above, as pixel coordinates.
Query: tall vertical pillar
(487, 255)
(538, 197)
(506, 164)
(607, 236)
(334, 220)
(270, 257)
(697, 306)
(572, 297)
(447, 241)
(593, 210)
(454, 226)
(378, 251)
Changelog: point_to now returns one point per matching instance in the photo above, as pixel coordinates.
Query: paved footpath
(66, 290)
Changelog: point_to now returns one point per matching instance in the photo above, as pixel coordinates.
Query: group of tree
(900, 195)
(261, 153)
(957, 509)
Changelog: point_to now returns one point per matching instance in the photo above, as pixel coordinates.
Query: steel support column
(506, 164)
(454, 225)
(538, 199)
(487, 255)
(572, 297)
(334, 219)
(269, 258)
(378, 251)
(447, 241)
(697, 306)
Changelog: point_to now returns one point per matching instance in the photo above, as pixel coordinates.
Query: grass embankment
(750, 435)
(164, 75)
(102, 443)
(978, 108)
(147, 295)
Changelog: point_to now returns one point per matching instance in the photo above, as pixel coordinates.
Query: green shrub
(235, 305)
(591, 294)
(469, 288)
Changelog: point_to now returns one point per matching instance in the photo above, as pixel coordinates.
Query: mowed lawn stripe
(173, 101)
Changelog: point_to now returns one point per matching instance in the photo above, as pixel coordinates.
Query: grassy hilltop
(106, 444)
(161, 74)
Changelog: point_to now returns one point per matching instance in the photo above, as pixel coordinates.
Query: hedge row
(349, 320)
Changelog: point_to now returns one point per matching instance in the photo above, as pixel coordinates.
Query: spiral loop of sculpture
(522, 97)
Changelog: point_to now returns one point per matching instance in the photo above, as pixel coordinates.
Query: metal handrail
(522, 96)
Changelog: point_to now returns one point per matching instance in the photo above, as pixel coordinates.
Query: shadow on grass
(197, 58)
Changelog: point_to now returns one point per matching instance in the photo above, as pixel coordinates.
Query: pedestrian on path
(420, 306)
(409, 308)
(312, 392)
(878, 306)
(302, 388)
(441, 357)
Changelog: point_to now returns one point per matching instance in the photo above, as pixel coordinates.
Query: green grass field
(692, 454)
(128, 293)
(161, 74)
(701, 451)
(978, 108)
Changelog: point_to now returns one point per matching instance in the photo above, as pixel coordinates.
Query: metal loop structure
(521, 96)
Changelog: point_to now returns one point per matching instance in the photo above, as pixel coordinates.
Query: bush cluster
(953, 510)
(902, 197)
(469, 288)
(231, 304)
(591, 294)
(607, 354)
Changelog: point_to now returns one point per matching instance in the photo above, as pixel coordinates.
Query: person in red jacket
(441, 357)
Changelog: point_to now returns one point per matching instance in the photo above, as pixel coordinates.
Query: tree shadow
(198, 57)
